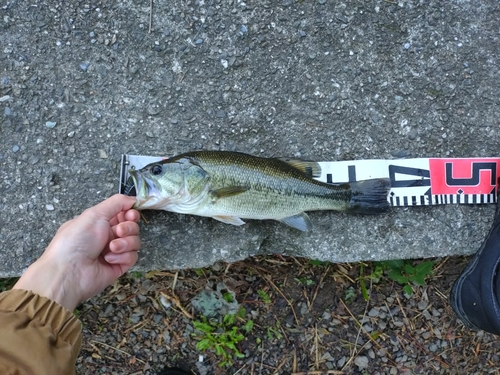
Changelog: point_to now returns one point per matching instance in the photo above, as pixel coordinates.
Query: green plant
(137, 274)
(404, 272)
(264, 296)
(274, 332)
(315, 262)
(228, 297)
(304, 281)
(199, 272)
(349, 295)
(221, 337)
(7, 284)
(374, 276)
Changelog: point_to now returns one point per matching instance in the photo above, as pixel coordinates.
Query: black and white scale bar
(423, 200)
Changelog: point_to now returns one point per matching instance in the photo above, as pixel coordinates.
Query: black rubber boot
(476, 293)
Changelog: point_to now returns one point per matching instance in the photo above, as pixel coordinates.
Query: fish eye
(156, 169)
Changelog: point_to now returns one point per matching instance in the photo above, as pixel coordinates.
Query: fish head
(164, 184)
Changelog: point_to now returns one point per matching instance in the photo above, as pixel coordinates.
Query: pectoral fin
(229, 191)
(309, 168)
(300, 222)
(233, 220)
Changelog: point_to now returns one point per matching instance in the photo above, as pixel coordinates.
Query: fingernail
(111, 258)
(119, 245)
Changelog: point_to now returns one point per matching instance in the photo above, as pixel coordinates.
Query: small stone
(7, 111)
(422, 305)
(302, 33)
(361, 362)
(15, 148)
(102, 154)
(406, 45)
(413, 134)
(243, 29)
(373, 312)
(108, 310)
(71, 134)
(400, 154)
(50, 124)
(322, 1)
(84, 66)
(49, 207)
(224, 63)
(342, 18)
(199, 41)
(327, 357)
(341, 362)
(153, 110)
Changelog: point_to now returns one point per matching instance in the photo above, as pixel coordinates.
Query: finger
(130, 215)
(118, 219)
(111, 207)
(125, 260)
(122, 245)
(128, 228)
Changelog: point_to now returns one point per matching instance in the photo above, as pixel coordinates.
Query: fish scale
(230, 186)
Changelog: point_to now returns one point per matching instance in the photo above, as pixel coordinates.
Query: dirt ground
(308, 318)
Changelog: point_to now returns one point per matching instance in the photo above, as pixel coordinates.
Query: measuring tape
(414, 182)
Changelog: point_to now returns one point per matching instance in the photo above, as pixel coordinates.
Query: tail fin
(369, 196)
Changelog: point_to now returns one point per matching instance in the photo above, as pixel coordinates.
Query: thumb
(112, 206)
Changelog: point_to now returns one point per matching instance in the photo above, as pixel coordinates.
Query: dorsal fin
(309, 168)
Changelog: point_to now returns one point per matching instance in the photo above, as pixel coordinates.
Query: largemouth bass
(231, 186)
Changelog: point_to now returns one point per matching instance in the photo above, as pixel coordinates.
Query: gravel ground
(307, 319)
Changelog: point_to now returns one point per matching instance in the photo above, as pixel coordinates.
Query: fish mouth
(135, 185)
(139, 187)
(130, 188)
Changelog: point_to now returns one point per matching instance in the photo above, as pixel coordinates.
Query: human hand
(87, 253)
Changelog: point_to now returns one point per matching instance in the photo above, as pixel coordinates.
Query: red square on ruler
(464, 176)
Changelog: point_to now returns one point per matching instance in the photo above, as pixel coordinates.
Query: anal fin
(300, 221)
(233, 220)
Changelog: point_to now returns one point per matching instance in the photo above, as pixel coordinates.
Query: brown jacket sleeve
(37, 336)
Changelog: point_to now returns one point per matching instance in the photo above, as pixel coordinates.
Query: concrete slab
(84, 82)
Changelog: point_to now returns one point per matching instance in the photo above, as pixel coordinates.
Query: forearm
(44, 279)
(38, 335)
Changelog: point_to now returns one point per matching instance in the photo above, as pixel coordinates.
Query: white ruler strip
(414, 182)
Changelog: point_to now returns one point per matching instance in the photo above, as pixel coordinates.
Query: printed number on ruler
(419, 182)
